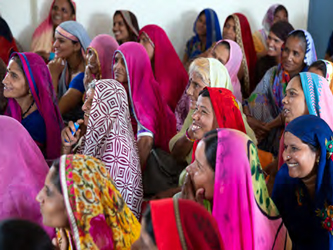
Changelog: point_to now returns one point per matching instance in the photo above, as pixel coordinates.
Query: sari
(213, 34)
(150, 112)
(7, 41)
(246, 215)
(307, 219)
(104, 47)
(183, 224)
(23, 171)
(110, 138)
(98, 216)
(329, 73)
(42, 39)
(245, 42)
(41, 88)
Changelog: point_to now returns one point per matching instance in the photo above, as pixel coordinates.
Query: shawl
(8, 44)
(329, 73)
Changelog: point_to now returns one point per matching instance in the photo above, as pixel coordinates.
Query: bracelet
(188, 137)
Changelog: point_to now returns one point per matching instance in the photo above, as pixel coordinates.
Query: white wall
(175, 16)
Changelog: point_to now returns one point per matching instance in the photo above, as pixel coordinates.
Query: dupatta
(7, 41)
(128, 16)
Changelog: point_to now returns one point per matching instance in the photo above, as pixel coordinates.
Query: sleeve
(258, 45)
(143, 132)
(77, 83)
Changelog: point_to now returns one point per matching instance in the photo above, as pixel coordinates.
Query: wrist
(188, 136)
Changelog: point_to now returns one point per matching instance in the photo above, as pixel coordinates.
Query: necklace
(32, 104)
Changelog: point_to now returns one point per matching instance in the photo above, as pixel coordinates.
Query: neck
(76, 63)
(310, 182)
(25, 103)
(203, 39)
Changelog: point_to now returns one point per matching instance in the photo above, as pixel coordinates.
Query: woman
(152, 120)
(99, 58)
(67, 70)
(31, 101)
(110, 138)
(43, 37)
(3, 100)
(207, 31)
(165, 60)
(82, 202)
(23, 170)
(125, 26)
(227, 172)
(177, 224)
(303, 186)
(323, 68)
(237, 28)
(7, 41)
(230, 54)
(264, 106)
(274, 14)
(276, 38)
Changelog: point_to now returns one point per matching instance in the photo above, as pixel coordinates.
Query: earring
(317, 160)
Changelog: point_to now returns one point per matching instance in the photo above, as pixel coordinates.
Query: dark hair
(320, 65)
(16, 59)
(210, 139)
(204, 93)
(225, 44)
(281, 29)
(16, 234)
(135, 24)
(72, 7)
(149, 223)
(301, 36)
(55, 178)
(281, 8)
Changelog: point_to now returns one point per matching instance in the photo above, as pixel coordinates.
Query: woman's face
(15, 84)
(274, 45)
(145, 41)
(63, 47)
(229, 29)
(221, 53)
(120, 30)
(52, 205)
(293, 55)
(294, 103)
(196, 85)
(204, 119)
(61, 12)
(144, 242)
(298, 156)
(119, 69)
(280, 16)
(202, 174)
(200, 26)
(92, 62)
(87, 105)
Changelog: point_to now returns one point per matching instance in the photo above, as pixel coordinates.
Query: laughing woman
(125, 26)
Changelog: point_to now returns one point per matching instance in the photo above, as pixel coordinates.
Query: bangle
(188, 136)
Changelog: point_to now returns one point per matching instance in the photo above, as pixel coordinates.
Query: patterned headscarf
(329, 73)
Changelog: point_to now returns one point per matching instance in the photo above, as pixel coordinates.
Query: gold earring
(318, 159)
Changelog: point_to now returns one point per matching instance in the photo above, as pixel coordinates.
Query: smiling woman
(125, 26)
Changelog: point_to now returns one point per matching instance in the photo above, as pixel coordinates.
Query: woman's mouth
(195, 127)
(292, 165)
(286, 111)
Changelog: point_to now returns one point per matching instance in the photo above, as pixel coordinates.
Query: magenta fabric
(104, 47)
(22, 171)
(150, 109)
(40, 85)
(246, 215)
(168, 69)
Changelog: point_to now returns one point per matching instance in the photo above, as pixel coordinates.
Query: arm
(277, 122)
(69, 100)
(145, 144)
(56, 66)
(182, 147)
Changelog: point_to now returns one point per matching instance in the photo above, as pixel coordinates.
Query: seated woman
(207, 31)
(22, 173)
(303, 186)
(43, 37)
(323, 68)
(177, 224)
(125, 26)
(276, 38)
(168, 70)
(99, 58)
(81, 201)
(274, 14)
(237, 28)
(67, 70)
(32, 101)
(152, 120)
(227, 172)
(7, 41)
(110, 138)
(264, 106)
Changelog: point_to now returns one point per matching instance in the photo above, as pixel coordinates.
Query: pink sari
(247, 217)
(23, 171)
(150, 110)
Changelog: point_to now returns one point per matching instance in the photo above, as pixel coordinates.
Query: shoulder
(77, 82)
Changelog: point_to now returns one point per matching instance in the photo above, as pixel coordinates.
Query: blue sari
(309, 220)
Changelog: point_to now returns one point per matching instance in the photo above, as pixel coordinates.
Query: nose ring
(288, 157)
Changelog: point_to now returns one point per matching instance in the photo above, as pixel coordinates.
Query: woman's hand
(62, 243)
(189, 192)
(260, 129)
(56, 66)
(67, 139)
(88, 77)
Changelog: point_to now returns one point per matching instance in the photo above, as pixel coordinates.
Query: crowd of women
(117, 143)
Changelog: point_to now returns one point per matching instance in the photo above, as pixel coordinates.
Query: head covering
(268, 20)
(218, 75)
(329, 73)
(168, 69)
(110, 138)
(23, 171)
(233, 65)
(3, 100)
(104, 46)
(250, 220)
(98, 216)
(40, 85)
(310, 52)
(42, 39)
(7, 41)
(130, 20)
(183, 224)
(150, 110)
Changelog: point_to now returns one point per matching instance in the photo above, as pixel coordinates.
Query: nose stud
(288, 157)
